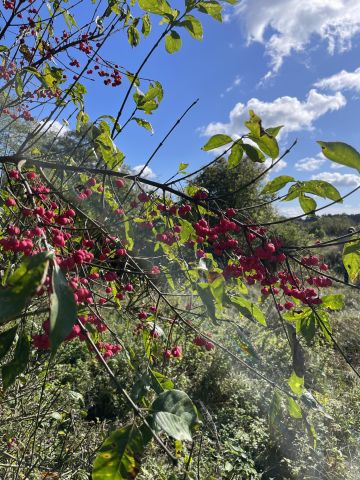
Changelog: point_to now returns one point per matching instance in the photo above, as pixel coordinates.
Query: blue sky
(295, 63)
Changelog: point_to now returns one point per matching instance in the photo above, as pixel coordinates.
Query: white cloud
(54, 126)
(147, 173)
(294, 210)
(310, 164)
(338, 179)
(343, 80)
(293, 113)
(284, 26)
(236, 82)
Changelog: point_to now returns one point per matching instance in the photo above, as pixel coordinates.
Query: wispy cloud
(310, 164)
(343, 80)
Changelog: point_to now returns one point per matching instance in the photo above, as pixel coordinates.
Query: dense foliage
(176, 330)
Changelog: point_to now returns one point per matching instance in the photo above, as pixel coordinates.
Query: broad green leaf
(211, 8)
(249, 309)
(351, 259)
(173, 42)
(342, 153)
(333, 302)
(193, 26)
(296, 384)
(6, 341)
(82, 118)
(119, 456)
(160, 382)
(19, 362)
(266, 142)
(175, 414)
(267, 145)
(235, 156)
(321, 188)
(294, 408)
(63, 312)
(216, 141)
(274, 131)
(308, 204)
(159, 7)
(4, 48)
(143, 123)
(146, 25)
(182, 167)
(277, 184)
(307, 326)
(22, 285)
(18, 84)
(253, 153)
(208, 301)
(217, 288)
(322, 319)
(133, 36)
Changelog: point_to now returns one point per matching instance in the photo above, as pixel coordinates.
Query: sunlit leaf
(173, 42)
(119, 456)
(277, 184)
(342, 153)
(216, 141)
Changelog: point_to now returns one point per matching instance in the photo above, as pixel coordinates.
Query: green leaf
(351, 259)
(63, 312)
(22, 285)
(18, 84)
(211, 8)
(322, 189)
(235, 156)
(274, 131)
(182, 167)
(160, 382)
(133, 36)
(342, 153)
(143, 123)
(277, 184)
(159, 7)
(18, 364)
(322, 318)
(6, 340)
(249, 309)
(175, 414)
(146, 25)
(119, 456)
(4, 48)
(308, 204)
(173, 42)
(253, 153)
(217, 141)
(333, 302)
(296, 384)
(208, 301)
(307, 327)
(193, 26)
(294, 408)
(267, 145)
